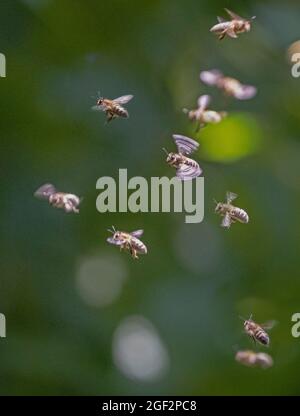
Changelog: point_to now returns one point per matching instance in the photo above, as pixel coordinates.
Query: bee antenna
(165, 150)
(185, 110)
(242, 318)
(110, 231)
(216, 202)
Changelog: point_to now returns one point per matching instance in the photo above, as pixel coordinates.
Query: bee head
(100, 101)
(116, 234)
(248, 26)
(171, 158)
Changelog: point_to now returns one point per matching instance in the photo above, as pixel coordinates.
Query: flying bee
(128, 241)
(204, 116)
(257, 332)
(186, 168)
(69, 202)
(113, 108)
(230, 86)
(230, 213)
(254, 359)
(233, 27)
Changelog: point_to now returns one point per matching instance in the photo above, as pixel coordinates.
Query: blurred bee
(233, 27)
(202, 115)
(231, 87)
(254, 359)
(128, 241)
(230, 213)
(186, 168)
(113, 108)
(69, 202)
(257, 332)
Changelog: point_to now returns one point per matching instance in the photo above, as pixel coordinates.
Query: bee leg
(222, 36)
(109, 117)
(133, 253)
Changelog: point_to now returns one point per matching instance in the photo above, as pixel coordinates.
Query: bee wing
(226, 222)
(45, 191)
(268, 324)
(185, 172)
(203, 102)
(184, 144)
(233, 15)
(230, 196)
(137, 233)
(97, 108)
(245, 92)
(123, 99)
(210, 77)
(112, 240)
(221, 19)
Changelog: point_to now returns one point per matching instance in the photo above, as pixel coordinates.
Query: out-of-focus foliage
(83, 318)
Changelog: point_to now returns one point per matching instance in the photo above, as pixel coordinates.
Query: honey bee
(68, 202)
(254, 359)
(202, 115)
(128, 241)
(113, 108)
(230, 213)
(186, 168)
(231, 86)
(233, 27)
(257, 332)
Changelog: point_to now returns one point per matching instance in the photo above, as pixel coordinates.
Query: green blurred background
(83, 318)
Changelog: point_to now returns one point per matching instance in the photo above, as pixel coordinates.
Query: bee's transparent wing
(97, 108)
(226, 222)
(230, 196)
(245, 92)
(45, 191)
(211, 77)
(123, 99)
(268, 324)
(137, 233)
(112, 240)
(233, 15)
(185, 172)
(221, 19)
(185, 145)
(203, 102)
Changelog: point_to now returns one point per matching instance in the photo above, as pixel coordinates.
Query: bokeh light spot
(236, 137)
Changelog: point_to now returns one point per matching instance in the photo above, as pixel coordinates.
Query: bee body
(256, 332)
(230, 86)
(230, 213)
(233, 27)
(186, 168)
(68, 202)
(129, 242)
(202, 115)
(113, 108)
(253, 359)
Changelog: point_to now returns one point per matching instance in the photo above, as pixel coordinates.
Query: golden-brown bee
(113, 108)
(231, 86)
(233, 27)
(186, 168)
(257, 332)
(230, 213)
(254, 359)
(128, 241)
(202, 115)
(68, 202)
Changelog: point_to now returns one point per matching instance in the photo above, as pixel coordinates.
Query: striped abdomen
(119, 111)
(138, 245)
(261, 336)
(240, 215)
